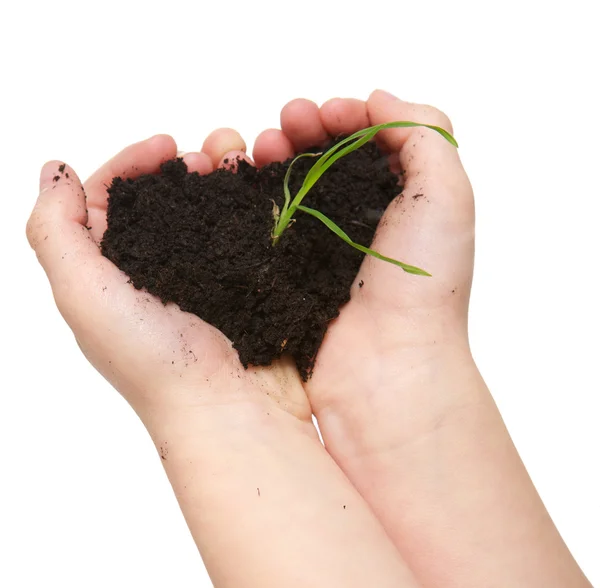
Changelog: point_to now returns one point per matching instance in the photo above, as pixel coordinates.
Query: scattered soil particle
(361, 283)
(417, 196)
(204, 243)
(56, 178)
(61, 168)
(164, 451)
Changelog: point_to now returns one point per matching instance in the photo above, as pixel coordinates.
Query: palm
(392, 311)
(133, 332)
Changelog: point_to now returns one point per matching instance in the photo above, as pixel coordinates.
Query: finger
(344, 116)
(219, 142)
(272, 145)
(422, 152)
(140, 158)
(301, 123)
(383, 107)
(231, 158)
(57, 231)
(436, 205)
(198, 162)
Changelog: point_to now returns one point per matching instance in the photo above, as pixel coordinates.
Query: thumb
(435, 213)
(56, 229)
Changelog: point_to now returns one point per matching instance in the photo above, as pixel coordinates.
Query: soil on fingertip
(204, 243)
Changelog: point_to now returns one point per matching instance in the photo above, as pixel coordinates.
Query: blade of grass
(317, 170)
(344, 147)
(332, 153)
(372, 131)
(286, 181)
(340, 233)
(310, 181)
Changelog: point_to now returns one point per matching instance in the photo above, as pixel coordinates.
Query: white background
(83, 498)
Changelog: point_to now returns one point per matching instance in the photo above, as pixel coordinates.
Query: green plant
(284, 216)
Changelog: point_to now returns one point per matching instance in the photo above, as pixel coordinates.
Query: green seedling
(284, 217)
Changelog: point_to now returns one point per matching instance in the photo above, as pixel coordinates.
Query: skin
(415, 449)
(249, 433)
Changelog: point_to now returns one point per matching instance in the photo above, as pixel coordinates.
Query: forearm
(450, 485)
(267, 506)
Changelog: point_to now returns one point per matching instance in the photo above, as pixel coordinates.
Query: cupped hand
(397, 327)
(431, 225)
(144, 348)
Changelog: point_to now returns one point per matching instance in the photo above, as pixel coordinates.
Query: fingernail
(51, 173)
(387, 96)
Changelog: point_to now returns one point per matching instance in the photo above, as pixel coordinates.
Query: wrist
(402, 393)
(229, 393)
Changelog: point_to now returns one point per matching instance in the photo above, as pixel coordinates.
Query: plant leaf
(351, 143)
(404, 124)
(373, 131)
(344, 147)
(286, 181)
(324, 165)
(315, 169)
(340, 233)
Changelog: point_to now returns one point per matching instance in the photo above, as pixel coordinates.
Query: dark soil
(204, 243)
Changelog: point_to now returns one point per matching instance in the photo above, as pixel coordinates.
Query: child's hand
(400, 403)
(142, 347)
(264, 501)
